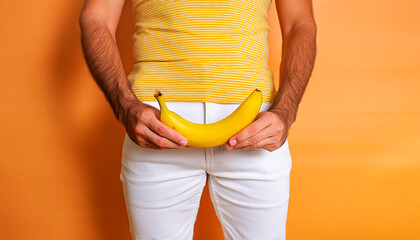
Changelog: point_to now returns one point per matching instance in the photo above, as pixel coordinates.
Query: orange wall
(355, 145)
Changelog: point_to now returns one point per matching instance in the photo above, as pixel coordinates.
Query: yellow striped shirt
(201, 50)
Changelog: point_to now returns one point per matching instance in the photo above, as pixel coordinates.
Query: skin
(98, 22)
(270, 128)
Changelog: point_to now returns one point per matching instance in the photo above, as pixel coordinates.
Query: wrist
(287, 115)
(124, 106)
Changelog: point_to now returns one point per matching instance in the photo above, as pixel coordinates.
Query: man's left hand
(268, 131)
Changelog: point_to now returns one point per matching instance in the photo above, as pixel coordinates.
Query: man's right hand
(143, 126)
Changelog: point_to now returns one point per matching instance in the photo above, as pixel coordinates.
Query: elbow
(309, 26)
(86, 18)
(89, 22)
(82, 20)
(313, 28)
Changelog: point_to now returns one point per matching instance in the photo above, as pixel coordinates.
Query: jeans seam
(211, 159)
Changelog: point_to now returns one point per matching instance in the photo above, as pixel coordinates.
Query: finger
(266, 141)
(155, 147)
(255, 139)
(160, 141)
(274, 146)
(141, 139)
(145, 143)
(162, 130)
(152, 145)
(250, 130)
(271, 147)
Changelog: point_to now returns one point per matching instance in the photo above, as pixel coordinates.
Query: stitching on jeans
(211, 159)
(217, 208)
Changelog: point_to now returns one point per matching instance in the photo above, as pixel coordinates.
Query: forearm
(104, 63)
(298, 57)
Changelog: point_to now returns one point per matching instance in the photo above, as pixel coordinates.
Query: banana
(213, 134)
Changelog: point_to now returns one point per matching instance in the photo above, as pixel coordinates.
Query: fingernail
(183, 142)
(233, 142)
(229, 147)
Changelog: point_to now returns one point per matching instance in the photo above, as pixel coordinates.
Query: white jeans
(249, 188)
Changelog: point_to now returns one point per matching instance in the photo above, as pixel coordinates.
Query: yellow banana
(213, 134)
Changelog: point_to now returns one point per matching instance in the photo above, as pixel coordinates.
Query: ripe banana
(213, 134)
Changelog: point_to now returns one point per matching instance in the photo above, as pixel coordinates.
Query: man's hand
(143, 126)
(270, 128)
(268, 131)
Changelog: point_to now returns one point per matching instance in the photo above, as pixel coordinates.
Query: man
(268, 132)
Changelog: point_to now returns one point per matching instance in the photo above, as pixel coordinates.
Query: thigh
(162, 190)
(250, 191)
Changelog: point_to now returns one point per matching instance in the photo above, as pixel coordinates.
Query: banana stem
(159, 97)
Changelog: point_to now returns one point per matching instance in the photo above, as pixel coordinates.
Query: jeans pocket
(131, 150)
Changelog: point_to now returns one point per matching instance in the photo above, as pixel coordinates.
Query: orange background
(355, 145)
